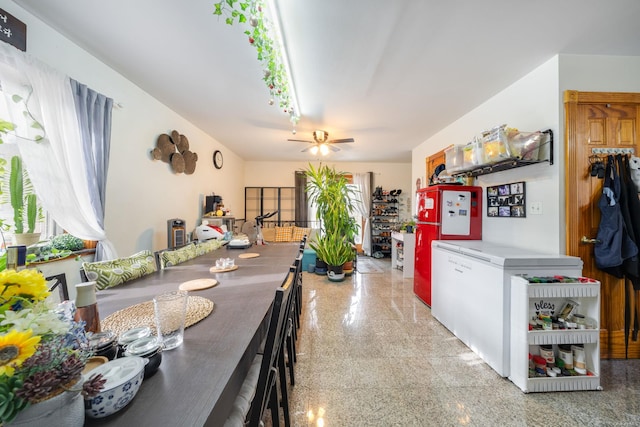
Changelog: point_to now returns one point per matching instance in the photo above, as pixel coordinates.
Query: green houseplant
(335, 250)
(23, 202)
(334, 200)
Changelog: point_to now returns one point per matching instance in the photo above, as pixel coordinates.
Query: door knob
(585, 240)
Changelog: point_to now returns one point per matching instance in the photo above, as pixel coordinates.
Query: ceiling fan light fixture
(314, 150)
(324, 149)
(320, 136)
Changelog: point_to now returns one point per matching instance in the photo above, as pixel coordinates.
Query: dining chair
(259, 390)
(293, 321)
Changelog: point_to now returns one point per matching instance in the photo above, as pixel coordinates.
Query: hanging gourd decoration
(174, 149)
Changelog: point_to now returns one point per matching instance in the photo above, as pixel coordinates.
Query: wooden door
(597, 120)
(432, 162)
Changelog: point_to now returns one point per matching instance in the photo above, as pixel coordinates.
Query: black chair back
(266, 390)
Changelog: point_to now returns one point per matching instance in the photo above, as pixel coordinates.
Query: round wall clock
(217, 159)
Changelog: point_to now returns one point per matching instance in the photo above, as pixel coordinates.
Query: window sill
(74, 254)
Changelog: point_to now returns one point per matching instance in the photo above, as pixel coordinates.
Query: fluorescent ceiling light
(279, 38)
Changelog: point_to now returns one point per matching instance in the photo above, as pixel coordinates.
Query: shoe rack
(384, 213)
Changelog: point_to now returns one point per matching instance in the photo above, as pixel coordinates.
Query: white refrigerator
(471, 291)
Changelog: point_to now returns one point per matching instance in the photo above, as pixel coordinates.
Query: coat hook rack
(613, 151)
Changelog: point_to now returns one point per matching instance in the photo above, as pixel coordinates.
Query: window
(262, 200)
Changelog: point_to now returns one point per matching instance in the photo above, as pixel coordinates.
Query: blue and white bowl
(124, 377)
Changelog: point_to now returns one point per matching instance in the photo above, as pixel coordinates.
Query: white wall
(141, 194)
(600, 73)
(390, 176)
(529, 104)
(535, 102)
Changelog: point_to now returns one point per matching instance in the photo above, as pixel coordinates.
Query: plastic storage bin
(472, 155)
(525, 145)
(454, 158)
(495, 145)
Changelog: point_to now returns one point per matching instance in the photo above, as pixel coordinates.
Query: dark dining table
(198, 381)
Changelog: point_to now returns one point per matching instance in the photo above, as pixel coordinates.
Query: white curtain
(363, 182)
(55, 164)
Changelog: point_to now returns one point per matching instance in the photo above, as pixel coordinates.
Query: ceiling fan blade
(301, 140)
(337, 141)
(333, 147)
(306, 149)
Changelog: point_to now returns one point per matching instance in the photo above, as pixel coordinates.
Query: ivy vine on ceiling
(261, 35)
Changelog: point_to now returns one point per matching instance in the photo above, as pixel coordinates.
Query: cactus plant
(16, 190)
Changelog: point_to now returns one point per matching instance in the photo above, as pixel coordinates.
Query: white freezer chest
(471, 291)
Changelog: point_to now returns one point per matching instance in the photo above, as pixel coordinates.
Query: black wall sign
(13, 31)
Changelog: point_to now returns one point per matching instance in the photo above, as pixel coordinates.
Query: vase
(63, 410)
(26, 239)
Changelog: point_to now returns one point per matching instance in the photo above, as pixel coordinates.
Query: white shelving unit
(403, 252)
(524, 297)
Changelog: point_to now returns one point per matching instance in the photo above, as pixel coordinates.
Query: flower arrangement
(42, 351)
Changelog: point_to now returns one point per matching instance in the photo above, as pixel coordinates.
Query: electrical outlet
(535, 208)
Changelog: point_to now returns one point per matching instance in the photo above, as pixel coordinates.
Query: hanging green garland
(260, 36)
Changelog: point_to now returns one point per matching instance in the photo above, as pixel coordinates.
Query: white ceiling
(388, 73)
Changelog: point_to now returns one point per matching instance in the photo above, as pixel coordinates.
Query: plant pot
(321, 267)
(63, 410)
(335, 273)
(26, 239)
(347, 268)
(90, 244)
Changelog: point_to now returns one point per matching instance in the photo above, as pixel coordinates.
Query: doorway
(597, 122)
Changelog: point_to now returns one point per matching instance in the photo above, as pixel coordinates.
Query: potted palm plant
(334, 200)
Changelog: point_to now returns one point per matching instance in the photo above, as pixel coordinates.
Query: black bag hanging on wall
(613, 244)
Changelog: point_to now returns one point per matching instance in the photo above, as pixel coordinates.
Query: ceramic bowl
(124, 377)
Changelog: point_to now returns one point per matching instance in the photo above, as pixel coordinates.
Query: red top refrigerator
(444, 212)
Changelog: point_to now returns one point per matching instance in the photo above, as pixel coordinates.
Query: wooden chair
(259, 390)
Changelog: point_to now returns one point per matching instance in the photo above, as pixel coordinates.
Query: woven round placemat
(143, 315)
(249, 255)
(215, 269)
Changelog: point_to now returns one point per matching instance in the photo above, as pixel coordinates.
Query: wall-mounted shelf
(510, 163)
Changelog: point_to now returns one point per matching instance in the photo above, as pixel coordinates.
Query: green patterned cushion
(207, 246)
(175, 257)
(108, 274)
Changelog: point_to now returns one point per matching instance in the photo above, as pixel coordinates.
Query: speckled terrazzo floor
(370, 354)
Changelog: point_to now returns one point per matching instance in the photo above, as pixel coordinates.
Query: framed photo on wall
(507, 200)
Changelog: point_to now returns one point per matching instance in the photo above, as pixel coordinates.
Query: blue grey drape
(94, 114)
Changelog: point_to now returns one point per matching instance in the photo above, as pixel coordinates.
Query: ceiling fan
(322, 143)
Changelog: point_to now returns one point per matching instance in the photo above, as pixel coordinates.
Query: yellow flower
(29, 284)
(15, 348)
